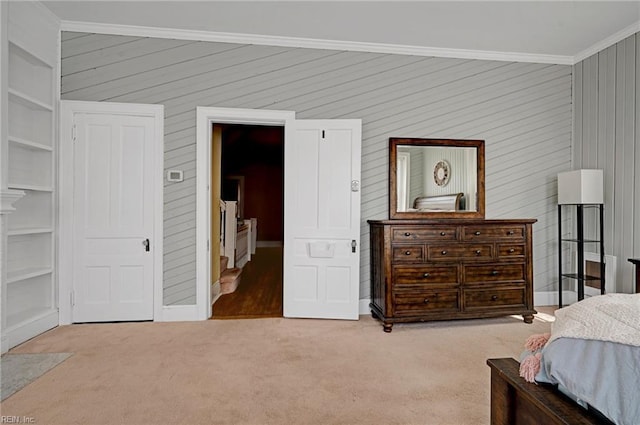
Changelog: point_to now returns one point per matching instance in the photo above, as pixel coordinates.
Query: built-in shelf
(29, 144)
(29, 231)
(29, 273)
(32, 57)
(28, 101)
(30, 67)
(31, 315)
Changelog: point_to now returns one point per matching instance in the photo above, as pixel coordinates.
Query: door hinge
(74, 132)
(72, 297)
(207, 245)
(323, 134)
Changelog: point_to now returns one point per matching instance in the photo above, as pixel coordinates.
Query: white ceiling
(566, 29)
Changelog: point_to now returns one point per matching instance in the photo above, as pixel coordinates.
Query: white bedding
(594, 354)
(611, 317)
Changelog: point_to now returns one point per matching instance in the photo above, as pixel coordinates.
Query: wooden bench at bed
(515, 401)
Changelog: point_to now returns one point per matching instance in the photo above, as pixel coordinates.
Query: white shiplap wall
(522, 110)
(607, 136)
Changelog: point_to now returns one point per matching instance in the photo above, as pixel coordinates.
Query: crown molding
(607, 42)
(310, 43)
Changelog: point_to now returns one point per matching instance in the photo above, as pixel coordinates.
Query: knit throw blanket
(611, 317)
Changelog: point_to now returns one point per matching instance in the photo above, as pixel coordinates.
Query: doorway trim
(65, 261)
(205, 118)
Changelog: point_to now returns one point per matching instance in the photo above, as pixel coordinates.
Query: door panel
(322, 219)
(113, 217)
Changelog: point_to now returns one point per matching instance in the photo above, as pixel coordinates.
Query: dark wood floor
(259, 293)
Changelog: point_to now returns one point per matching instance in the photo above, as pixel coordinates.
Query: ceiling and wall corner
(521, 31)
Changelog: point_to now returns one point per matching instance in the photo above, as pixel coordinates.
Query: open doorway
(251, 180)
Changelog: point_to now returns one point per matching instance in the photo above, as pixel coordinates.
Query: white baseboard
(4, 344)
(550, 298)
(19, 334)
(178, 313)
(215, 291)
(364, 308)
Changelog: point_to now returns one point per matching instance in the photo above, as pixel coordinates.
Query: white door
(322, 219)
(113, 212)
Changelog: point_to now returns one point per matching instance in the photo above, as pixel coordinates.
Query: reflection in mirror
(436, 178)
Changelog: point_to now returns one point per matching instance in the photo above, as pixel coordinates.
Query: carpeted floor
(270, 371)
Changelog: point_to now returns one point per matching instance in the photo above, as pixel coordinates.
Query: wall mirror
(436, 178)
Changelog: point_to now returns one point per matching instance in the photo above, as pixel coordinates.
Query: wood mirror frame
(448, 147)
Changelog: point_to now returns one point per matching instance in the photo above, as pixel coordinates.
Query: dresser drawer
(494, 273)
(508, 250)
(495, 297)
(407, 253)
(478, 233)
(415, 303)
(459, 251)
(405, 276)
(426, 233)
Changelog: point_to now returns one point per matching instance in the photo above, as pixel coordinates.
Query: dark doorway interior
(253, 175)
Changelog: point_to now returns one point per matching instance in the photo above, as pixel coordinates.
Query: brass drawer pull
(494, 272)
(494, 297)
(407, 233)
(478, 252)
(477, 233)
(426, 275)
(443, 234)
(510, 232)
(407, 253)
(426, 300)
(512, 250)
(444, 252)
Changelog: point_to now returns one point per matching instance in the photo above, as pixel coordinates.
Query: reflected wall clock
(441, 173)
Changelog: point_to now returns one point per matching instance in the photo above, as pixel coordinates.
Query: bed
(588, 371)
(454, 202)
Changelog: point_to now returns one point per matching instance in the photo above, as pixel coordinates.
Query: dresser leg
(387, 327)
(528, 318)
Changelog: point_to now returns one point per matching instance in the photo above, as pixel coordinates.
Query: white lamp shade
(581, 187)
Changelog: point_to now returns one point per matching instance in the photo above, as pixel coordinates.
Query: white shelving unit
(30, 288)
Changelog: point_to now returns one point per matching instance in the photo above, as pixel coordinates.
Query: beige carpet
(269, 371)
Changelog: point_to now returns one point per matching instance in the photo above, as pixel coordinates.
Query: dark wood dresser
(441, 269)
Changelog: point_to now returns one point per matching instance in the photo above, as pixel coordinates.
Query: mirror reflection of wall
(419, 169)
(403, 174)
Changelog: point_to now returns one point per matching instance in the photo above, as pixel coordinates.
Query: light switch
(175, 176)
